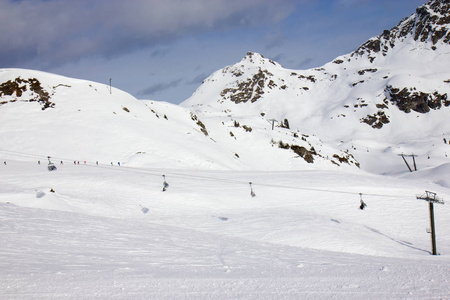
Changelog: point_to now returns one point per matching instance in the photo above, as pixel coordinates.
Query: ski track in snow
(209, 239)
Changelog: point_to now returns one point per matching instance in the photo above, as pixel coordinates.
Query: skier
(118, 163)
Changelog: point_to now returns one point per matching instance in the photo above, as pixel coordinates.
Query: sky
(163, 49)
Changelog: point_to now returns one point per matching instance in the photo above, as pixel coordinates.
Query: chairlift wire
(242, 182)
(157, 172)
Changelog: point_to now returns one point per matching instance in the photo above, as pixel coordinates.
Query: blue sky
(163, 49)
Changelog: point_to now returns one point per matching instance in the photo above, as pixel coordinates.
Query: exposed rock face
(310, 154)
(199, 123)
(305, 153)
(17, 89)
(250, 89)
(410, 99)
(376, 120)
(430, 22)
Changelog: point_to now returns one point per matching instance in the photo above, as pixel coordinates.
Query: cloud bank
(56, 31)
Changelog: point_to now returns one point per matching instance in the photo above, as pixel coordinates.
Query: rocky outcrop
(251, 89)
(430, 22)
(17, 90)
(376, 120)
(409, 99)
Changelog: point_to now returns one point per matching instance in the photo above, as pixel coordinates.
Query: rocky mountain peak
(250, 78)
(256, 58)
(429, 24)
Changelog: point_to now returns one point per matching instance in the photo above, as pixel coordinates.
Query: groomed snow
(110, 232)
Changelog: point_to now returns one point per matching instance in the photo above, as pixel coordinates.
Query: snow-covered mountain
(69, 119)
(388, 97)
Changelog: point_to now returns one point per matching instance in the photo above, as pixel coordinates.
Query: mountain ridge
(430, 22)
(391, 90)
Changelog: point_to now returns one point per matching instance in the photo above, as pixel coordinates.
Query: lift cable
(157, 172)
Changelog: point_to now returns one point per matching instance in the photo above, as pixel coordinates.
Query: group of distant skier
(76, 162)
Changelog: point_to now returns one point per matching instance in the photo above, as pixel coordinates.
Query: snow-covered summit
(257, 58)
(392, 90)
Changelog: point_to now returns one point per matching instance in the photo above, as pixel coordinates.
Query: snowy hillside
(111, 233)
(68, 119)
(44, 115)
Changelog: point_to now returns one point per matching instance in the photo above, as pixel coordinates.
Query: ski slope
(110, 232)
(95, 230)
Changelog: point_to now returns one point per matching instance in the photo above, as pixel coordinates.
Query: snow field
(110, 232)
